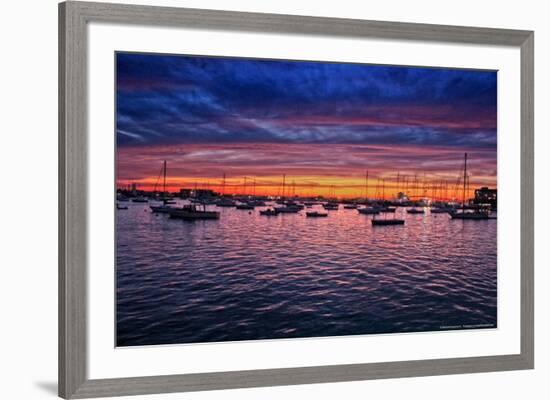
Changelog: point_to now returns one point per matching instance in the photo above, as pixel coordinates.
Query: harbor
(416, 199)
(198, 265)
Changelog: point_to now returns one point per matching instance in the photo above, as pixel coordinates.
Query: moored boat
(191, 212)
(331, 206)
(470, 215)
(257, 203)
(287, 209)
(164, 198)
(392, 221)
(245, 206)
(225, 202)
(316, 214)
(440, 210)
(293, 204)
(269, 212)
(161, 208)
(476, 214)
(415, 210)
(368, 210)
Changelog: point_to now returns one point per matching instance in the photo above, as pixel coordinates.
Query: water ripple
(246, 276)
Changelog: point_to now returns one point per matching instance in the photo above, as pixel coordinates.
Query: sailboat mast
(464, 185)
(367, 185)
(283, 195)
(397, 184)
(164, 183)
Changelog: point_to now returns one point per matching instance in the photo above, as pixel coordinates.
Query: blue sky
(186, 99)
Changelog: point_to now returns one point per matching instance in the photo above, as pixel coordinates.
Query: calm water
(248, 276)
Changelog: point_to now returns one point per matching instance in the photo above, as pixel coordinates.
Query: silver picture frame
(74, 18)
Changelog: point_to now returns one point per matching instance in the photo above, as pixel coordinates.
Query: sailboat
(470, 215)
(245, 206)
(192, 212)
(121, 197)
(387, 221)
(140, 199)
(440, 210)
(165, 207)
(390, 221)
(316, 214)
(368, 210)
(224, 201)
(331, 205)
(288, 207)
(269, 212)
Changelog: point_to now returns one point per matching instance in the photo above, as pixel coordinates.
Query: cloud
(131, 135)
(187, 99)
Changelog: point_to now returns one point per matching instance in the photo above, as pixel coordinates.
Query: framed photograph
(254, 200)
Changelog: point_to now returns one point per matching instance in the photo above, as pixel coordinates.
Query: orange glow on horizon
(310, 186)
(311, 170)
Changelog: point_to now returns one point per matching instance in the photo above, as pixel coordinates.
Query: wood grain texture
(73, 20)
(72, 201)
(527, 226)
(296, 376)
(294, 24)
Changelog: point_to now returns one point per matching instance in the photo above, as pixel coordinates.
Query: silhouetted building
(203, 193)
(185, 193)
(485, 195)
(197, 193)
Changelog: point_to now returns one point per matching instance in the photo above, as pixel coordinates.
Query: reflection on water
(247, 276)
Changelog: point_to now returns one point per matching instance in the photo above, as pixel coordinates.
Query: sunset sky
(321, 124)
